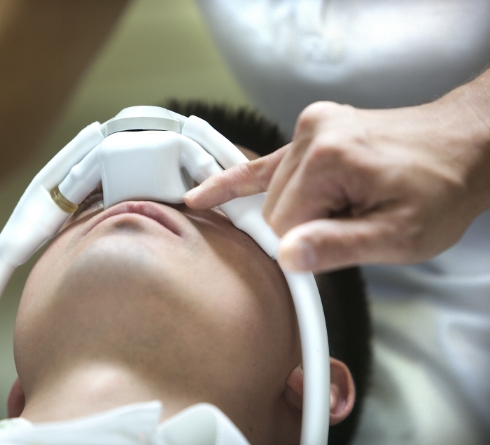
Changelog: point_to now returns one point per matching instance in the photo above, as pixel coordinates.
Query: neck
(92, 388)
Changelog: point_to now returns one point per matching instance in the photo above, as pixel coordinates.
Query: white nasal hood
(147, 165)
(150, 153)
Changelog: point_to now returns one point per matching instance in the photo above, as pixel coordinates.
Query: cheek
(32, 315)
(46, 273)
(243, 304)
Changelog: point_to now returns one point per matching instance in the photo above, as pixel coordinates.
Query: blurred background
(65, 64)
(159, 49)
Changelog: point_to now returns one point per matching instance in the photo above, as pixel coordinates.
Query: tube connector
(63, 203)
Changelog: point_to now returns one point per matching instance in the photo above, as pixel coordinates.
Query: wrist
(464, 115)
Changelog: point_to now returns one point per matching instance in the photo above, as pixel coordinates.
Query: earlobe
(16, 400)
(342, 391)
(293, 391)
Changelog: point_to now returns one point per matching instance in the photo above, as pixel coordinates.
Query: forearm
(466, 112)
(45, 47)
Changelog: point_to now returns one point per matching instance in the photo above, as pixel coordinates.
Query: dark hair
(342, 292)
(242, 126)
(346, 310)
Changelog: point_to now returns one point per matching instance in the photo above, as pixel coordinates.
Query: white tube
(36, 218)
(82, 179)
(30, 226)
(246, 214)
(226, 153)
(6, 271)
(197, 161)
(56, 170)
(316, 358)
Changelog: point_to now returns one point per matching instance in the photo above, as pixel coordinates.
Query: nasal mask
(150, 153)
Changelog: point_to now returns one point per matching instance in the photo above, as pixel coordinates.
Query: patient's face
(180, 295)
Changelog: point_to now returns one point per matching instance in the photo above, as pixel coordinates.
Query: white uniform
(432, 321)
(135, 424)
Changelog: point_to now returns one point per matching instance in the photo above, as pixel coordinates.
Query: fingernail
(190, 194)
(297, 254)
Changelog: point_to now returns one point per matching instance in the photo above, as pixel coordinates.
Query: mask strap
(37, 217)
(226, 153)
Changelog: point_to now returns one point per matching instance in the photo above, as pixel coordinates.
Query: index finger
(242, 180)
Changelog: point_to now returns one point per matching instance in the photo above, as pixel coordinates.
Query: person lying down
(145, 313)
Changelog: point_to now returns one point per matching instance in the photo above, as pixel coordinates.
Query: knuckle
(407, 237)
(253, 177)
(228, 183)
(329, 148)
(262, 173)
(335, 147)
(284, 218)
(276, 224)
(266, 215)
(246, 171)
(315, 111)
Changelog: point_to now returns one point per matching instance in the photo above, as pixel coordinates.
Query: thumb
(244, 179)
(327, 244)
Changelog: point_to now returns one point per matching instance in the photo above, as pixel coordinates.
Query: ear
(342, 390)
(293, 391)
(16, 400)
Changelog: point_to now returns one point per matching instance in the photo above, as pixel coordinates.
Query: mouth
(149, 209)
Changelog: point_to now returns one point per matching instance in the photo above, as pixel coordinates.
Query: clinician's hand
(371, 186)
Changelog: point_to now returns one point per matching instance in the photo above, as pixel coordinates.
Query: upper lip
(149, 209)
